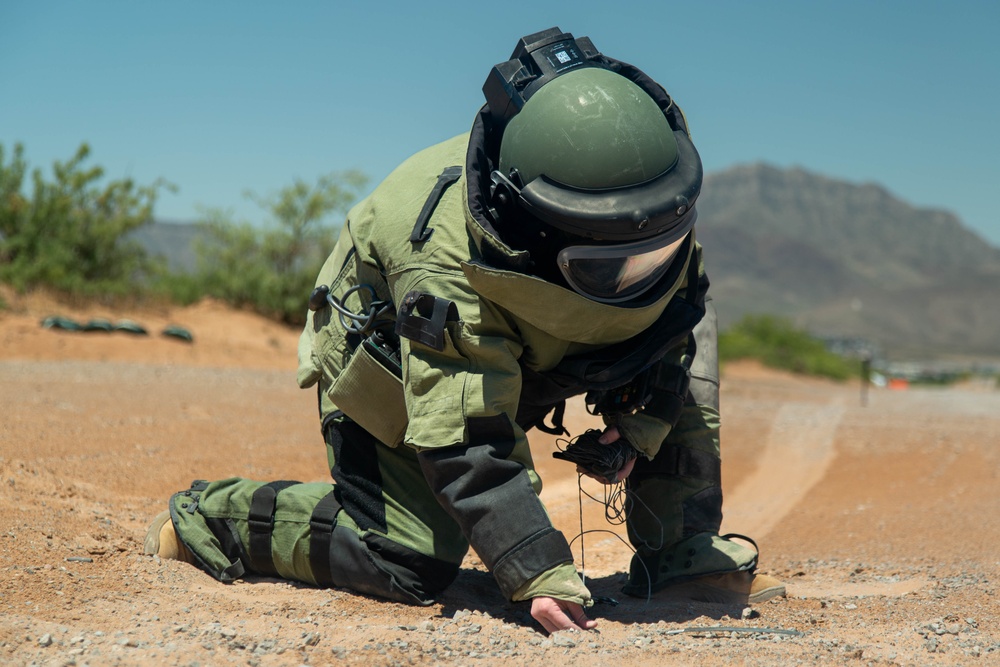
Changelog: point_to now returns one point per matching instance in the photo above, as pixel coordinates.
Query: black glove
(599, 459)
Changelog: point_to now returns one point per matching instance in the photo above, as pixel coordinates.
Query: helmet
(592, 159)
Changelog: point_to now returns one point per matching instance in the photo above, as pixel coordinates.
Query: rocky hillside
(849, 260)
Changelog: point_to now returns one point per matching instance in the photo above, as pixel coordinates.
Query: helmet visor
(615, 273)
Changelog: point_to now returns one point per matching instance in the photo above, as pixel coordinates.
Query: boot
(729, 588)
(161, 540)
(765, 587)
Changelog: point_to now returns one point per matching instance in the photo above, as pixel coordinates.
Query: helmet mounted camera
(536, 60)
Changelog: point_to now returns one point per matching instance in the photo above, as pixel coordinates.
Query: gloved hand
(607, 457)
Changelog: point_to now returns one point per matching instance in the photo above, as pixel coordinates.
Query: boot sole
(766, 594)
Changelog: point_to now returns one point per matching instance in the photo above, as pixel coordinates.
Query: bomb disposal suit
(548, 253)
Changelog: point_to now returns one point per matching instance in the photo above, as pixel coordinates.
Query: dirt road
(883, 520)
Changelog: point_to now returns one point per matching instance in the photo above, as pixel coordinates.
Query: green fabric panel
(697, 428)
(560, 312)
(311, 351)
(365, 383)
(561, 582)
(230, 499)
(475, 375)
(189, 523)
(414, 517)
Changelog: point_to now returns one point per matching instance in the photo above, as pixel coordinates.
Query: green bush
(776, 342)
(270, 269)
(71, 234)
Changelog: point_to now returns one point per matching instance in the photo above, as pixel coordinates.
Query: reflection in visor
(616, 273)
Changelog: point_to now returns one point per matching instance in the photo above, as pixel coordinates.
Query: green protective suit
(435, 460)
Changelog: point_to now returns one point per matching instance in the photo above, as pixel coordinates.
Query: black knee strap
(322, 523)
(675, 460)
(260, 521)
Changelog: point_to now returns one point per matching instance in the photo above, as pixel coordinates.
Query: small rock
(427, 626)
(562, 639)
(460, 614)
(45, 640)
(749, 613)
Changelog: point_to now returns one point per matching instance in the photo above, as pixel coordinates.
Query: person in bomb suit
(549, 252)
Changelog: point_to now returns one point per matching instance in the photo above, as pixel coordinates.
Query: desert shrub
(70, 233)
(272, 268)
(777, 343)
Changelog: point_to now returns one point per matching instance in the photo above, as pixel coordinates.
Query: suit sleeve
(460, 402)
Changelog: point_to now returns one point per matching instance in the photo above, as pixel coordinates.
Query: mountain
(174, 241)
(846, 260)
(840, 259)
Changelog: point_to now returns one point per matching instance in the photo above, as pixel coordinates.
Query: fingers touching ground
(555, 615)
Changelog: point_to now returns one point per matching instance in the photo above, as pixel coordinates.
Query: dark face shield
(616, 273)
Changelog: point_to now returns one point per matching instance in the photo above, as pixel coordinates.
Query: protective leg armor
(306, 532)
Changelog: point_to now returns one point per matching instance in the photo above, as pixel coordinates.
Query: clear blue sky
(220, 97)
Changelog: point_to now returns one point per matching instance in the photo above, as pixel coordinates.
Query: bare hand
(556, 615)
(610, 435)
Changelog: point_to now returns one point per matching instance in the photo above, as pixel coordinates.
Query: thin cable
(583, 551)
(359, 323)
(619, 503)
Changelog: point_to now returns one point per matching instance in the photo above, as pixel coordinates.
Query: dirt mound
(881, 519)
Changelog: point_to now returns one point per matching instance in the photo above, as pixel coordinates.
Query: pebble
(562, 639)
(45, 640)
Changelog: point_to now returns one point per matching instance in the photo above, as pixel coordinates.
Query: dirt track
(883, 520)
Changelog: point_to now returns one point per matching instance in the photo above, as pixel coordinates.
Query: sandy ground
(882, 519)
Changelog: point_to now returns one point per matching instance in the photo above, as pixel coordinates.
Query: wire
(618, 492)
(359, 323)
(619, 504)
